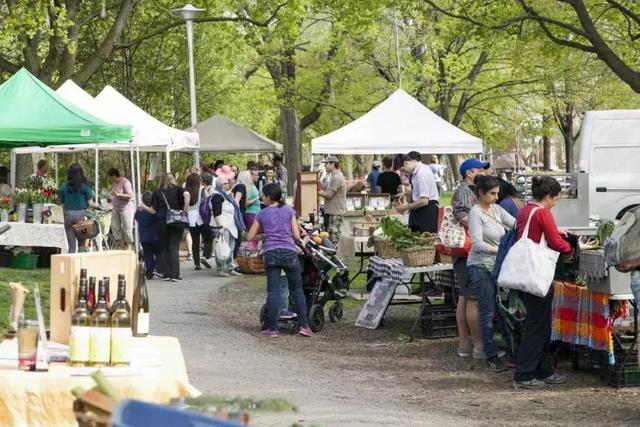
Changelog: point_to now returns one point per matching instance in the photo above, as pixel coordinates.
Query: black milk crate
(626, 372)
(439, 322)
(586, 359)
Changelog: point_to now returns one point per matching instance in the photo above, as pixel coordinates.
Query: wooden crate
(65, 278)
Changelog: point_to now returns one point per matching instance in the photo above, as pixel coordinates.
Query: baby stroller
(320, 285)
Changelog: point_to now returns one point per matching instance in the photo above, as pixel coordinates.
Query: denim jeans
(284, 288)
(286, 260)
(70, 218)
(481, 279)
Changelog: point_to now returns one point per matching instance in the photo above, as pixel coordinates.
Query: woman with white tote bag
(533, 364)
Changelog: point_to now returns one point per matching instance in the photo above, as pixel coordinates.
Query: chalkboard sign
(377, 303)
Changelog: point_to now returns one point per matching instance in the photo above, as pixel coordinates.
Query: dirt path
(349, 376)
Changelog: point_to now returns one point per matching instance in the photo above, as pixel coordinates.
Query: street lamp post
(188, 13)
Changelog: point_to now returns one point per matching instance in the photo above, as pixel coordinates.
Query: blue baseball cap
(472, 164)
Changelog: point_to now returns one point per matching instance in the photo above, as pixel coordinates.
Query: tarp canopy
(33, 114)
(147, 130)
(399, 124)
(218, 134)
(148, 135)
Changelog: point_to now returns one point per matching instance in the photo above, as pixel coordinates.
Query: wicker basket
(255, 264)
(377, 212)
(357, 212)
(418, 257)
(386, 249)
(444, 259)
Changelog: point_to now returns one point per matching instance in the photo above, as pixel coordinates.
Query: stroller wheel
(316, 318)
(264, 320)
(336, 312)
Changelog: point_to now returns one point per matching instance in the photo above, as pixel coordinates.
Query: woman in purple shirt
(277, 224)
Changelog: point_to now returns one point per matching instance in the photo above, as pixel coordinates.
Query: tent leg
(55, 161)
(97, 177)
(14, 164)
(311, 161)
(168, 160)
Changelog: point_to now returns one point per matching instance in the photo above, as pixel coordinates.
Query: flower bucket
(37, 213)
(4, 215)
(22, 212)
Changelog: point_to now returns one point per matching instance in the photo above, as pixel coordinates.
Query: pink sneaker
(268, 333)
(305, 331)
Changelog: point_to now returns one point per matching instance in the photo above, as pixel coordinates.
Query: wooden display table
(45, 399)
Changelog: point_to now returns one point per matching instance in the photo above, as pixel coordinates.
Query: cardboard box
(65, 278)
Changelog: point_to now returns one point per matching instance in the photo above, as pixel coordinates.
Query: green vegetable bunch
(402, 236)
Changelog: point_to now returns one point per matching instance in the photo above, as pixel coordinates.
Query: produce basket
(377, 212)
(592, 264)
(386, 249)
(25, 261)
(444, 259)
(418, 257)
(357, 212)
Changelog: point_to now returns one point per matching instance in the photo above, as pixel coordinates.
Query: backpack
(205, 208)
(622, 248)
(506, 241)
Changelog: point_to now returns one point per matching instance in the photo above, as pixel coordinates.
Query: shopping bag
(223, 251)
(529, 266)
(453, 237)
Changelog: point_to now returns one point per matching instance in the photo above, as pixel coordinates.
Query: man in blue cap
(467, 309)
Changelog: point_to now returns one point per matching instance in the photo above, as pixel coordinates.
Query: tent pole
(96, 177)
(55, 161)
(168, 159)
(311, 161)
(13, 169)
(134, 185)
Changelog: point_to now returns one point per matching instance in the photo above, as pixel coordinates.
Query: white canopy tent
(218, 134)
(399, 124)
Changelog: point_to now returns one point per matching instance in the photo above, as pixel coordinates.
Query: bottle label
(79, 343)
(99, 347)
(120, 345)
(143, 323)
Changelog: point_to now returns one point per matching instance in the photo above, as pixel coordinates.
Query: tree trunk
(569, 141)
(546, 152)
(291, 139)
(455, 160)
(24, 168)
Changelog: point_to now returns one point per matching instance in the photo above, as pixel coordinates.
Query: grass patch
(237, 404)
(445, 198)
(28, 279)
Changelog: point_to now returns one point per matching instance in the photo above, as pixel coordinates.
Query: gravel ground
(349, 376)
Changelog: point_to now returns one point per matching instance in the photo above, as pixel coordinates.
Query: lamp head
(188, 12)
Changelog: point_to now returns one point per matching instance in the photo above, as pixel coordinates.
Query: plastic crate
(439, 322)
(586, 359)
(134, 413)
(626, 372)
(25, 261)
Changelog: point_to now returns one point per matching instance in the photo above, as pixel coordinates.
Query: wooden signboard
(307, 200)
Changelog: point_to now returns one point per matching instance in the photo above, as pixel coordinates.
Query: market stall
(33, 115)
(45, 399)
(218, 134)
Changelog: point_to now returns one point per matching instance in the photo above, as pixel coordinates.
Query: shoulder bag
(175, 217)
(529, 266)
(454, 238)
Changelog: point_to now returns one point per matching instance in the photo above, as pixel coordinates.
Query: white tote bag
(529, 266)
(223, 251)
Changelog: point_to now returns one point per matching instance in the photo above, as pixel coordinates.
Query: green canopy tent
(33, 114)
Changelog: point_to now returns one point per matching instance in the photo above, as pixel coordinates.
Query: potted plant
(22, 197)
(5, 206)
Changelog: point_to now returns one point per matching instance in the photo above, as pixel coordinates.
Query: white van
(609, 152)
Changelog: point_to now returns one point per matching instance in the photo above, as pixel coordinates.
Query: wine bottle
(107, 296)
(140, 312)
(121, 327)
(99, 350)
(91, 298)
(80, 328)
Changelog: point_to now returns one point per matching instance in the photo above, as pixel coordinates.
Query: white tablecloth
(39, 235)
